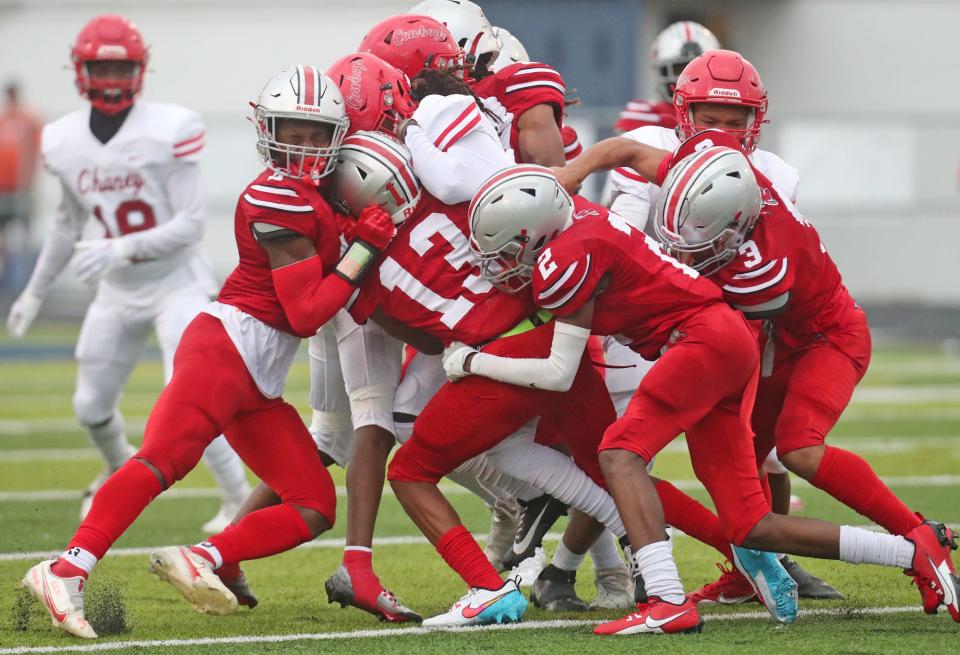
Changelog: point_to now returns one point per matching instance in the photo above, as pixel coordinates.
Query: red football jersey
(782, 255)
(648, 293)
(428, 278)
(288, 203)
(521, 86)
(639, 113)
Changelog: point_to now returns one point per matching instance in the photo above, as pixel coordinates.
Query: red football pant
(801, 401)
(212, 393)
(704, 385)
(469, 417)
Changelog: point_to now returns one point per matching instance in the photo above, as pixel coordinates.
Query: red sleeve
(768, 280)
(564, 278)
(528, 84)
(279, 205)
(367, 300)
(308, 298)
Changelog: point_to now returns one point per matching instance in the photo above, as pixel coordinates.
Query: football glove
(95, 258)
(22, 313)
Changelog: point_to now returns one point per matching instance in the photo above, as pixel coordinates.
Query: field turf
(905, 419)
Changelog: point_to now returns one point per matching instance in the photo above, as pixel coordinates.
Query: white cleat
(193, 577)
(527, 571)
(483, 607)
(223, 517)
(614, 589)
(63, 598)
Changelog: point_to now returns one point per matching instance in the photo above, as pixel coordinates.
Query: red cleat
(363, 590)
(932, 570)
(656, 617)
(730, 589)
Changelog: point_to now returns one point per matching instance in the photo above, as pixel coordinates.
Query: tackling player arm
(556, 372)
(615, 152)
(539, 139)
(308, 297)
(419, 339)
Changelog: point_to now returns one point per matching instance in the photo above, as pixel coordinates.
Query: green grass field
(905, 420)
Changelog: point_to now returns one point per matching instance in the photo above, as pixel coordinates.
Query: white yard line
(402, 632)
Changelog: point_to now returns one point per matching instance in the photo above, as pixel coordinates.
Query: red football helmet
(376, 94)
(109, 38)
(412, 43)
(721, 77)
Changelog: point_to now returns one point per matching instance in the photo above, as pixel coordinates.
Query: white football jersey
(127, 184)
(635, 198)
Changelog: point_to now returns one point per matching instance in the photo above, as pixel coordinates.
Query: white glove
(22, 312)
(454, 356)
(95, 258)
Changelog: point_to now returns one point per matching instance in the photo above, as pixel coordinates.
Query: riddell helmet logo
(309, 108)
(419, 32)
(724, 93)
(354, 99)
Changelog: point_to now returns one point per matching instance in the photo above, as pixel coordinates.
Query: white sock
(567, 560)
(213, 552)
(859, 546)
(111, 440)
(605, 553)
(659, 571)
(227, 470)
(82, 559)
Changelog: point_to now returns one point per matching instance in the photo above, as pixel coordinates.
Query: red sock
(204, 554)
(117, 504)
(687, 514)
(262, 533)
(358, 560)
(461, 551)
(848, 478)
(65, 569)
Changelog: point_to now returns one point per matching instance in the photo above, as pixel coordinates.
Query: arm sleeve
(553, 373)
(454, 175)
(186, 195)
(59, 243)
(308, 298)
(634, 207)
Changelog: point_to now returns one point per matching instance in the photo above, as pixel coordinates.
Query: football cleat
(63, 598)
(537, 516)
(730, 589)
(193, 577)
(809, 585)
(614, 589)
(238, 585)
(527, 571)
(503, 528)
(483, 607)
(773, 585)
(656, 617)
(385, 606)
(554, 591)
(932, 570)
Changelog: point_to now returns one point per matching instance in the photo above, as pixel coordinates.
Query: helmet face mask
(708, 205)
(513, 217)
(109, 60)
(305, 95)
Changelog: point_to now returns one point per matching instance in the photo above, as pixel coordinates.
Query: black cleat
(537, 516)
(554, 590)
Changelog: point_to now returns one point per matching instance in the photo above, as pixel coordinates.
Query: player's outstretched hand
(22, 312)
(454, 358)
(94, 258)
(569, 177)
(375, 227)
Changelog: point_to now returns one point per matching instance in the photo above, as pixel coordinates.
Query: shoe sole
(776, 580)
(202, 596)
(695, 630)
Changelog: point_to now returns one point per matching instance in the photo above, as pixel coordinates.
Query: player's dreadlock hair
(444, 83)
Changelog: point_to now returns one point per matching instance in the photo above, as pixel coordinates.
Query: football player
(133, 166)
(591, 254)
(673, 48)
(428, 282)
(232, 363)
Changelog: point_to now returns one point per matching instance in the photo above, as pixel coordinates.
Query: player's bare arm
(419, 339)
(540, 139)
(608, 154)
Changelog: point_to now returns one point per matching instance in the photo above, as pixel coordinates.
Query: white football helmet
(374, 168)
(675, 47)
(513, 216)
(301, 93)
(511, 50)
(469, 25)
(708, 205)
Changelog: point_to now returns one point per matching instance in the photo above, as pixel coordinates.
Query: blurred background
(863, 101)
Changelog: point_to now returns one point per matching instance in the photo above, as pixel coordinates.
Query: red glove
(375, 227)
(347, 226)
